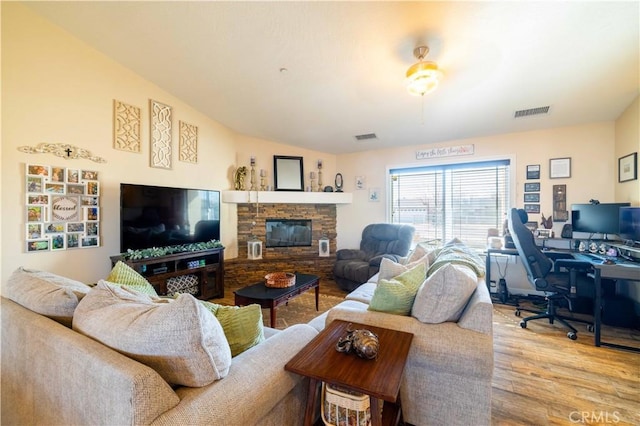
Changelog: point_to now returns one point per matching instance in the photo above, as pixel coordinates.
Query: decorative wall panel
(188, 142)
(160, 134)
(126, 127)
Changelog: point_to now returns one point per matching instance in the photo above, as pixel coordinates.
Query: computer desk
(622, 270)
(625, 270)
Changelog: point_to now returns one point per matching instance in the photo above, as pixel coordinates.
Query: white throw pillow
(180, 338)
(444, 295)
(45, 293)
(390, 269)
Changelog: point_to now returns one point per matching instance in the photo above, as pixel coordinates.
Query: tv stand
(206, 268)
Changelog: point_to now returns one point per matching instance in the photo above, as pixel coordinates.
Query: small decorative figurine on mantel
(238, 178)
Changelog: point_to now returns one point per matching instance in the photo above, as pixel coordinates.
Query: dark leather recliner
(354, 267)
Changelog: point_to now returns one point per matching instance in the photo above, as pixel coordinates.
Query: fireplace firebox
(288, 232)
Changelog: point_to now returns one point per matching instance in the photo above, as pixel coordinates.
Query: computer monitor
(630, 225)
(603, 218)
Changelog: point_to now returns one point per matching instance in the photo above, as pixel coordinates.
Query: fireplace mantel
(286, 197)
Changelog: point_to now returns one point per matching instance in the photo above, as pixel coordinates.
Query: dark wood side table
(271, 298)
(379, 378)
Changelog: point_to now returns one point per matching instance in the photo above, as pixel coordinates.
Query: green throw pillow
(122, 274)
(395, 296)
(242, 326)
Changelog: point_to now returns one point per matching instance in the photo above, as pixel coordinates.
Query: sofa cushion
(45, 293)
(364, 293)
(179, 338)
(455, 251)
(444, 294)
(242, 326)
(395, 296)
(390, 269)
(123, 274)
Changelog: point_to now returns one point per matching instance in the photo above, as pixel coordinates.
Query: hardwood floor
(543, 378)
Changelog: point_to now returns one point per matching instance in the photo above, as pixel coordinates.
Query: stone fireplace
(305, 259)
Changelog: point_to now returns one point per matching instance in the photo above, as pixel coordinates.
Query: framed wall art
(532, 187)
(560, 212)
(628, 167)
(532, 197)
(533, 171)
(532, 208)
(61, 208)
(374, 194)
(560, 168)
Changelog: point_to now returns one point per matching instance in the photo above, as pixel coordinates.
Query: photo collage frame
(62, 208)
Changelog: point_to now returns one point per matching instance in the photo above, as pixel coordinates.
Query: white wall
(56, 88)
(628, 141)
(593, 170)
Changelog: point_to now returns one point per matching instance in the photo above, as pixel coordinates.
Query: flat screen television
(157, 216)
(630, 225)
(603, 218)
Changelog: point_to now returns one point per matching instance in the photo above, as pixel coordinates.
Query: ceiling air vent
(532, 111)
(366, 136)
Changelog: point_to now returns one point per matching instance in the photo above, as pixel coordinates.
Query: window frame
(453, 162)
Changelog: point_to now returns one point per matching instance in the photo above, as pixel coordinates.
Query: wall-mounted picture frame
(532, 197)
(37, 245)
(532, 208)
(323, 247)
(532, 187)
(533, 171)
(374, 194)
(62, 208)
(628, 167)
(560, 168)
(560, 212)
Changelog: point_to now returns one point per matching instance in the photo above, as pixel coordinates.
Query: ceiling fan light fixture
(424, 76)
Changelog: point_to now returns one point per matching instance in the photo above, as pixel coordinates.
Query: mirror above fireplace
(288, 173)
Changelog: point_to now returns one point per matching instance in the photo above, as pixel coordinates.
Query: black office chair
(546, 275)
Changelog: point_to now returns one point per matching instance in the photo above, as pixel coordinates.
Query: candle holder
(312, 179)
(263, 180)
(319, 175)
(253, 174)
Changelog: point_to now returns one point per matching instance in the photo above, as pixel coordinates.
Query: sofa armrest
(350, 254)
(478, 314)
(256, 383)
(54, 375)
(355, 311)
(434, 346)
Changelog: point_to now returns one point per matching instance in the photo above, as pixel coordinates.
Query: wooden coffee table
(379, 378)
(271, 298)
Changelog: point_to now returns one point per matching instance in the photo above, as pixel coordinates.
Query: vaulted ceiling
(316, 74)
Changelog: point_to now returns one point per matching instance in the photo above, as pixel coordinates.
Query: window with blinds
(454, 200)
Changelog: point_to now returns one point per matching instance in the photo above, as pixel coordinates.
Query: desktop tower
(618, 311)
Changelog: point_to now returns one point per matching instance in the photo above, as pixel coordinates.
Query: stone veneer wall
(251, 221)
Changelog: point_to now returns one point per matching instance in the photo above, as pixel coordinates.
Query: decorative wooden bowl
(280, 279)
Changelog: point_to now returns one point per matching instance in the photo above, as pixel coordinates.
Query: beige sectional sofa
(447, 378)
(52, 374)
